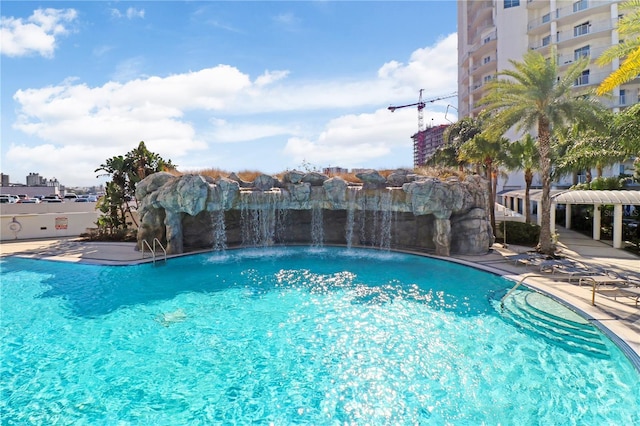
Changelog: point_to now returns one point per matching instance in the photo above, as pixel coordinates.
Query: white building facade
(492, 32)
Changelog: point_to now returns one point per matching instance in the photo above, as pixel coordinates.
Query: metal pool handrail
(515, 287)
(153, 250)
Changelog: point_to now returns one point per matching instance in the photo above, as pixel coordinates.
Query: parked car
(10, 198)
(5, 199)
(28, 201)
(70, 196)
(82, 200)
(51, 199)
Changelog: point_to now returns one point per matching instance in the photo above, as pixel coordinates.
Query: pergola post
(596, 221)
(567, 218)
(617, 226)
(552, 218)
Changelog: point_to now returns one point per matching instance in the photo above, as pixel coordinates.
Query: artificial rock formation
(404, 210)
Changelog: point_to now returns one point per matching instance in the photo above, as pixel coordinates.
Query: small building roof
(624, 197)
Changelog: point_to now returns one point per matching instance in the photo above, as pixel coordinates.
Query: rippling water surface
(289, 336)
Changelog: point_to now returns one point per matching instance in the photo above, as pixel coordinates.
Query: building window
(511, 3)
(583, 79)
(581, 52)
(581, 29)
(487, 78)
(546, 40)
(486, 59)
(546, 18)
(623, 97)
(580, 5)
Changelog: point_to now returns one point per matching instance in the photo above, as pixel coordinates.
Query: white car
(8, 198)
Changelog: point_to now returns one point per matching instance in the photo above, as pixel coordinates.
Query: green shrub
(518, 233)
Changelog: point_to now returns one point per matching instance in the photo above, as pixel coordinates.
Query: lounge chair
(569, 269)
(527, 259)
(612, 285)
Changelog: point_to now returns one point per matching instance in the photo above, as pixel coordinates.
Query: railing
(153, 249)
(515, 287)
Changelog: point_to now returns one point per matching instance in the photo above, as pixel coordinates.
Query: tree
(594, 146)
(454, 137)
(534, 97)
(628, 50)
(627, 129)
(523, 155)
(125, 172)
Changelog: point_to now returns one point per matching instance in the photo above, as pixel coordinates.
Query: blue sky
(265, 86)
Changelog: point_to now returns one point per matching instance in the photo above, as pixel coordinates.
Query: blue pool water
(291, 336)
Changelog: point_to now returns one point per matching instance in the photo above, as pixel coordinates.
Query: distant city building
(5, 179)
(354, 171)
(34, 179)
(335, 171)
(426, 143)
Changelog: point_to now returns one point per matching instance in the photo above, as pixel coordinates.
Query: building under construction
(426, 142)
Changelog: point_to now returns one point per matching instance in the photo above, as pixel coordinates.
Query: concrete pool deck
(621, 316)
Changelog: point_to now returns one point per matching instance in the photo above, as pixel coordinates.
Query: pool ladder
(153, 249)
(515, 287)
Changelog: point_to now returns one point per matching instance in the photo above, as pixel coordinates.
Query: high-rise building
(426, 142)
(490, 33)
(493, 32)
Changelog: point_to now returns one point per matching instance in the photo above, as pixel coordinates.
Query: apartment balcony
(628, 96)
(583, 9)
(538, 27)
(537, 4)
(591, 79)
(476, 32)
(484, 67)
(566, 59)
(486, 45)
(483, 14)
(586, 33)
(475, 6)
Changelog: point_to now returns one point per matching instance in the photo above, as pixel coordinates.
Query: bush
(518, 233)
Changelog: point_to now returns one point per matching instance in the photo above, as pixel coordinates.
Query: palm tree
(533, 96)
(627, 127)
(488, 153)
(629, 49)
(524, 155)
(125, 172)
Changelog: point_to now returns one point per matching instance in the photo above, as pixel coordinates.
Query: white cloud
(334, 122)
(37, 35)
(130, 13)
(433, 68)
(225, 132)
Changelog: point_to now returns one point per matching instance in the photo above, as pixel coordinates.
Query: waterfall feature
(386, 216)
(400, 210)
(219, 230)
(317, 227)
(352, 194)
(258, 216)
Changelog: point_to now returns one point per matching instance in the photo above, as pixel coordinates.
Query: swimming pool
(294, 335)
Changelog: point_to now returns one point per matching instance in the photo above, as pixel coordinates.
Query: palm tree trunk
(545, 244)
(492, 197)
(528, 178)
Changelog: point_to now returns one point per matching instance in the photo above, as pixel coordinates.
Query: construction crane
(419, 145)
